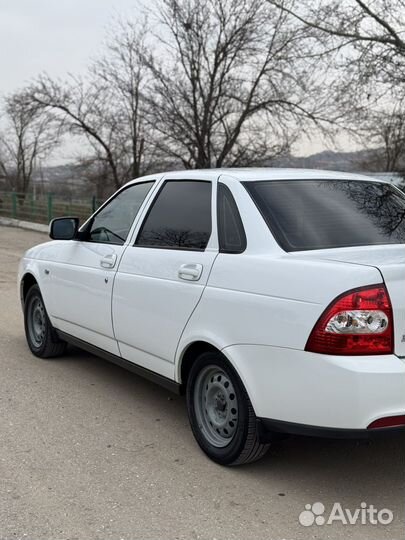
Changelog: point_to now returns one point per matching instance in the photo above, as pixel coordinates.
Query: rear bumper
(270, 430)
(297, 391)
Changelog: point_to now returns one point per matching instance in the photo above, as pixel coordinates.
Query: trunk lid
(390, 261)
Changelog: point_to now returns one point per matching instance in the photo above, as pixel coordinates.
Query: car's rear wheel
(220, 412)
(41, 336)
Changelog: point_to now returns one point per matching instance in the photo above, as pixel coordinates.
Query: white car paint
(150, 296)
(257, 307)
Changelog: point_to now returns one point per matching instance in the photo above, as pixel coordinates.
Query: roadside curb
(28, 225)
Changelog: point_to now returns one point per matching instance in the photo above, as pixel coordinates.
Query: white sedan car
(275, 299)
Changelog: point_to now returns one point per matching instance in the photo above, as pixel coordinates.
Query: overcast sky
(56, 36)
(59, 36)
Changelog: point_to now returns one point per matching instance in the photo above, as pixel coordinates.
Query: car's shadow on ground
(348, 471)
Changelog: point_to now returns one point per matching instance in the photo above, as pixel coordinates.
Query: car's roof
(260, 173)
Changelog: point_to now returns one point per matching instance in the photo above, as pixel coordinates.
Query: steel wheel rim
(37, 322)
(216, 406)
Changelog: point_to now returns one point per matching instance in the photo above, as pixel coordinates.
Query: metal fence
(41, 209)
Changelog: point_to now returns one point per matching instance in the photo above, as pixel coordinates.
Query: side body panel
(152, 304)
(272, 301)
(80, 291)
(77, 286)
(259, 308)
(264, 296)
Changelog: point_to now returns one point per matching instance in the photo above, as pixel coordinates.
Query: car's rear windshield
(321, 214)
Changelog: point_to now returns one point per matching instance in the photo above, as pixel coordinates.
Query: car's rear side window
(180, 217)
(231, 234)
(320, 214)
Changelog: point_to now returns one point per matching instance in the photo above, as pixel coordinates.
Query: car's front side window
(112, 224)
(179, 218)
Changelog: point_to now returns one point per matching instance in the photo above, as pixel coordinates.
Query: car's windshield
(319, 214)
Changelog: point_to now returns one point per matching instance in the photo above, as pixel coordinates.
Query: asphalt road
(90, 451)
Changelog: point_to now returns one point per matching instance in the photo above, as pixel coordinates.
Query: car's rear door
(82, 271)
(162, 275)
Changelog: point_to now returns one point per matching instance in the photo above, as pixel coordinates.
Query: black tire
(227, 434)
(40, 334)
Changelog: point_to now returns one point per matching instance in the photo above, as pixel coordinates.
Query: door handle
(190, 272)
(108, 261)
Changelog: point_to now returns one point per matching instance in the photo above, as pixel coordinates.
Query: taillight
(358, 322)
(388, 421)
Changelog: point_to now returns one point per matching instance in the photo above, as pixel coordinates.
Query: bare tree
(230, 82)
(220, 82)
(122, 74)
(29, 136)
(95, 174)
(384, 134)
(364, 43)
(366, 39)
(105, 106)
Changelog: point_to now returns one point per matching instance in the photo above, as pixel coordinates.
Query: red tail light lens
(389, 421)
(357, 322)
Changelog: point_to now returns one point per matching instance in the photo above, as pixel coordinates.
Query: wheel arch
(27, 281)
(189, 353)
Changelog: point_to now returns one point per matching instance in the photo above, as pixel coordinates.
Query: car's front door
(162, 276)
(82, 271)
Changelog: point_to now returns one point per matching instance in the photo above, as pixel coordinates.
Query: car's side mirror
(64, 228)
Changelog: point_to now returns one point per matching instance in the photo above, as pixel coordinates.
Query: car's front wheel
(220, 412)
(41, 336)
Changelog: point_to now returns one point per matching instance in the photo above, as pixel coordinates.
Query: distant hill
(356, 162)
(69, 175)
(328, 159)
